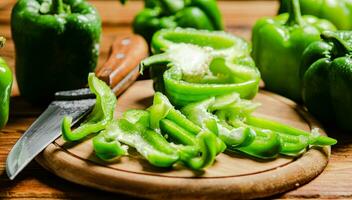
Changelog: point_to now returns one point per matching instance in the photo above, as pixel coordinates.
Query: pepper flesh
(162, 14)
(327, 75)
(184, 132)
(5, 88)
(257, 137)
(57, 45)
(101, 115)
(132, 129)
(339, 12)
(143, 130)
(278, 44)
(165, 136)
(197, 64)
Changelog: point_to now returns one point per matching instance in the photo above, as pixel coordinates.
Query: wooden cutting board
(232, 176)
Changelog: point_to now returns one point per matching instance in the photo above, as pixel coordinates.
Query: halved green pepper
(278, 44)
(5, 88)
(197, 64)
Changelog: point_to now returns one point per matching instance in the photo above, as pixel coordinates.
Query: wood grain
(36, 183)
(232, 175)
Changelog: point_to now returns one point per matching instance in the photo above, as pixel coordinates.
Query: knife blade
(120, 70)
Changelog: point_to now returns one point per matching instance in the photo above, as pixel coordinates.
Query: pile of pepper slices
(203, 80)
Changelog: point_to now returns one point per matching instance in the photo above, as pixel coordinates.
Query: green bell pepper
(5, 88)
(339, 12)
(196, 64)
(161, 14)
(57, 45)
(278, 44)
(241, 131)
(101, 115)
(327, 76)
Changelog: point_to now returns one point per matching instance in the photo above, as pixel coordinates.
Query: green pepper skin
(132, 129)
(57, 45)
(226, 57)
(101, 115)
(339, 12)
(5, 91)
(327, 76)
(232, 121)
(161, 14)
(278, 44)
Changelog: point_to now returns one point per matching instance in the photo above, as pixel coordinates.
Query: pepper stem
(58, 7)
(294, 11)
(2, 42)
(340, 47)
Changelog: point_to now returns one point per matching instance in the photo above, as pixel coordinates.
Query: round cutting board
(232, 176)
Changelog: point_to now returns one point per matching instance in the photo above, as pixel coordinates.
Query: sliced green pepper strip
(293, 146)
(106, 147)
(266, 145)
(208, 148)
(316, 140)
(101, 115)
(132, 129)
(177, 133)
(199, 114)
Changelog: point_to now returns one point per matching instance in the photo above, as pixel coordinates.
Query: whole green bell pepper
(57, 45)
(5, 88)
(161, 14)
(278, 44)
(339, 12)
(195, 64)
(327, 76)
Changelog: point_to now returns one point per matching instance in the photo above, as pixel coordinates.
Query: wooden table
(36, 183)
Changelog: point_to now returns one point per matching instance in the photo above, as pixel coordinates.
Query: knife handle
(121, 68)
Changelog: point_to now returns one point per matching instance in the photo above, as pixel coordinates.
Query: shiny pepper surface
(327, 78)
(339, 12)
(161, 14)
(190, 65)
(278, 44)
(57, 45)
(5, 88)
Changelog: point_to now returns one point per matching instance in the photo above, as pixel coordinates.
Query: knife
(119, 71)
